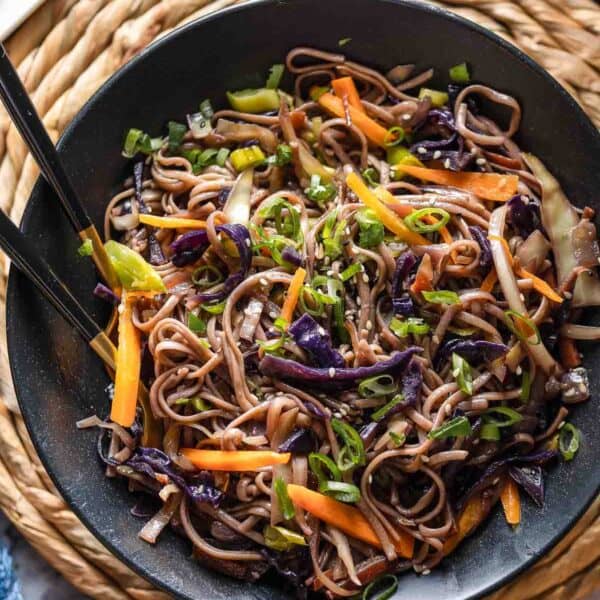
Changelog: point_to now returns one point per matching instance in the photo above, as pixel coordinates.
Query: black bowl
(59, 380)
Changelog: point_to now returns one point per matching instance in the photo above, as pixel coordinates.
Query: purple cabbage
(300, 441)
(411, 381)
(474, 351)
(531, 479)
(198, 486)
(332, 378)
(138, 176)
(485, 258)
(291, 255)
(314, 410)
(105, 293)
(369, 431)
(402, 303)
(313, 338)
(524, 216)
(190, 247)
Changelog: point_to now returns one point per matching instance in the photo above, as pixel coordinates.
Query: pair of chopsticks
(24, 254)
(19, 249)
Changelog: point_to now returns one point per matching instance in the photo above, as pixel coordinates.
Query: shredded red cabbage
(474, 351)
(313, 338)
(485, 258)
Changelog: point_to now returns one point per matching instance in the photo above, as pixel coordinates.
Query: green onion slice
(490, 432)
(568, 441)
(285, 503)
(176, 134)
(461, 370)
(507, 416)
(138, 141)
(86, 249)
(525, 387)
(318, 462)
(319, 192)
(351, 271)
(460, 73)
(372, 231)
(344, 492)
(214, 309)
(206, 109)
(385, 409)
(282, 539)
(398, 439)
(352, 453)
(275, 75)
(221, 157)
(201, 277)
(523, 327)
(382, 588)
(271, 346)
(376, 387)
(441, 297)
(134, 273)
(371, 176)
(414, 325)
(415, 221)
(459, 426)
(394, 136)
(196, 324)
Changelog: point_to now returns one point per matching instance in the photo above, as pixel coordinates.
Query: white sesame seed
(365, 278)
(370, 479)
(347, 231)
(321, 331)
(474, 150)
(326, 261)
(263, 281)
(447, 163)
(426, 572)
(358, 302)
(248, 242)
(562, 424)
(273, 315)
(331, 372)
(406, 117)
(369, 325)
(330, 273)
(568, 295)
(121, 309)
(437, 154)
(337, 415)
(481, 161)
(522, 297)
(425, 458)
(518, 370)
(422, 150)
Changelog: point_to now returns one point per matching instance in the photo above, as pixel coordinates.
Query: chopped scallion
(382, 588)
(507, 416)
(196, 324)
(568, 441)
(398, 439)
(525, 386)
(176, 134)
(285, 503)
(214, 309)
(490, 432)
(318, 463)
(416, 220)
(371, 176)
(351, 271)
(319, 192)
(86, 249)
(282, 539)
(206, 276)
(461, 370)
(275, 75)
(341, 491)
(138, 141)
(254, 100)
(438, 98)
(523, 327)
(394, 136)
(460, 73)
(377, 387)
(457, 427)
(344, 41)
(412, 325)
(221, 157)
(380, 413)
(352, 453)
(372, 231)
(441, 297)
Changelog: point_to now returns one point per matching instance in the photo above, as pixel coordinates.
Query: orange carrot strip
(490, 281)
(489, 186)
(539, 285)
(344, 86)
(384, 214)
(345, 517)
(569, 355)
(472, 515)
(171, 222)
(293, 293)
(234, 460)
(298, 119)
(423, 276)
(511, 502)
(374, 131)
(128, 363)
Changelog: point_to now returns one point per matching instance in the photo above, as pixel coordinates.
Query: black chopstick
(25, 117)
(28, 260)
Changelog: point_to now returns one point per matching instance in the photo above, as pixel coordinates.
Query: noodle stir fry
(346, 323)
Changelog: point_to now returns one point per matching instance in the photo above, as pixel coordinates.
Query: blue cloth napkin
(9, 584)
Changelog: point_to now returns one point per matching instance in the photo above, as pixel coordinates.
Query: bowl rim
(583, 120)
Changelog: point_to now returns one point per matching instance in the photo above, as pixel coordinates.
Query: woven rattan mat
(65, 51)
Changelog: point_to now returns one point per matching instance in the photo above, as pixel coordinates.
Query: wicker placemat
(65, 51)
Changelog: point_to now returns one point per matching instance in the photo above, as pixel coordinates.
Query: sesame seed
(448, 409)
(474, 150)
(370, 479)
(248, 242)
(406, 117)
(561, 425)
(481, 161)
(273, 315)
(522, 297)
(263, 281)
(330, 273)
(331, 372)
(425, 458)
(437, 154)
(518, 370)
(321, 331)
(337, 415)
(326, 261)
(422, 150)
(121, 309)
(369, 325)
(365, 278)
(568, 295)
(426, 572)
(447, 163)
(358, 302)
(347, 231)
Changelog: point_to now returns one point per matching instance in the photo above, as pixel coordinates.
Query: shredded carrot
(344, 87)
(293, 293)
(511, 502)
(490, 281)
(489, 186)
(423, 276)
(384, 214)
(171, 222)
(346, 518)
(234, 460)
(569, 355)
(539, 285)
(374, 131)
(298, 119)
(472, 515)
(128, 363)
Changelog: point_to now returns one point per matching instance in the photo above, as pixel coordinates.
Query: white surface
(13, 13)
